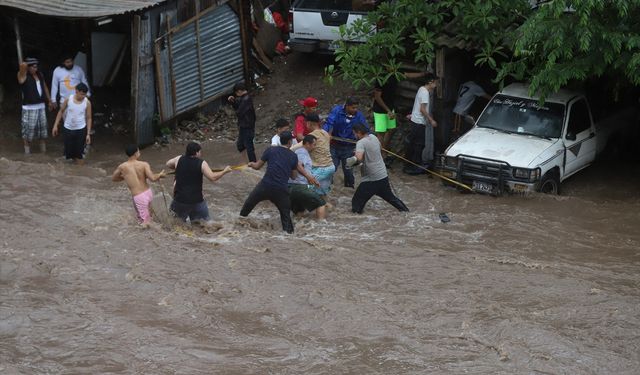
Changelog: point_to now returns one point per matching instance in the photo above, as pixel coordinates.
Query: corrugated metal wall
(198, 61)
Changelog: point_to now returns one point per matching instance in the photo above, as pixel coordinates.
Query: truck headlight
(535, 175)
(521, 173)
(527, 174)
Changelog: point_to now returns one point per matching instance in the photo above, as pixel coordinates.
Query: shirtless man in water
(135, 173)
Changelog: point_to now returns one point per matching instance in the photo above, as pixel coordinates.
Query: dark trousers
(74, 141)
(381, 188)
(245, 142)
(340, 153)
(277, 196)
(416, 143)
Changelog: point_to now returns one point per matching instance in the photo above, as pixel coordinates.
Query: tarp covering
(79, 8)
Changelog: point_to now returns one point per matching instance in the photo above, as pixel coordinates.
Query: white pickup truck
(519, 146)
(314, 25)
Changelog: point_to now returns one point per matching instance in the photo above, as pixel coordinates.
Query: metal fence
(198, 60)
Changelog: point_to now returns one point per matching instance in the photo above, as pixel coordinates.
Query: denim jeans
(339, 154)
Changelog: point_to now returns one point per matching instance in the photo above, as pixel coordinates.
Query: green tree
(549, 45)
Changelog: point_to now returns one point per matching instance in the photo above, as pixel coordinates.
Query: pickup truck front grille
(494, 172)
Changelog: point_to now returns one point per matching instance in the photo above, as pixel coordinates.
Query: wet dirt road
(512, 285)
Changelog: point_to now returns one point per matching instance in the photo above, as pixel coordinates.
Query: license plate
(519, 188)
(482, 187)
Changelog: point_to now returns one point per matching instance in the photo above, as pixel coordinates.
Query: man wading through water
(282, 163)
(375, 180)
(77, 124)
(338, 124)
(136, 173)
(188, 200)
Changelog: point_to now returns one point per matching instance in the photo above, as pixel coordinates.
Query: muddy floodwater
(512, 285)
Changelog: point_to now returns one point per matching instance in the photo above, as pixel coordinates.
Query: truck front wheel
(550, 184)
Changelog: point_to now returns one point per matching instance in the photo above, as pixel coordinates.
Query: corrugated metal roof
(79, 8)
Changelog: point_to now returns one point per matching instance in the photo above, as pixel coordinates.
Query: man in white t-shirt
(282, 125)
(65, 79)
(421, 139)
(467, 94)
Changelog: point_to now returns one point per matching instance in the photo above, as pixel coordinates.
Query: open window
(579, 120)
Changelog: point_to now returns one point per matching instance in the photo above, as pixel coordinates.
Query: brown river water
(512, 285)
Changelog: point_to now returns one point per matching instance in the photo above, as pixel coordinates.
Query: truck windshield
(524, 116)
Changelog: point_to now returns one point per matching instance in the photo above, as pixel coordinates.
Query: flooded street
(512, 285)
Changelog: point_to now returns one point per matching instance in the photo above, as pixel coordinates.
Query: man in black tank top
(35, 95)
(188, 200)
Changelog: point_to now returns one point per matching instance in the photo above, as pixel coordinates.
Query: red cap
(309, 102)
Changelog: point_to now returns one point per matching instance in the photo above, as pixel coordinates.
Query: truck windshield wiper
(535, 135)
(498, 129)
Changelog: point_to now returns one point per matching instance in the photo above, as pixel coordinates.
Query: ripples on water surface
(534, 284)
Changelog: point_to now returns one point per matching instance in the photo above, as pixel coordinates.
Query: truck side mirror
(570, 136)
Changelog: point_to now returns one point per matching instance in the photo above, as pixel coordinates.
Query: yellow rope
(233, 168)
(410, 162)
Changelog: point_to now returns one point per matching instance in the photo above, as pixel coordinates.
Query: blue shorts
(324, 175)
(193, 211)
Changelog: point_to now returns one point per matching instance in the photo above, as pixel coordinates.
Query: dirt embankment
(294, 77)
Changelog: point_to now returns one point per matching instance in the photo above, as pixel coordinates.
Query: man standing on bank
(467, 94)
(34, 96)
(384, 109)
(65, 79)
(375, 180)
(77, 124)
(421, 139)
(338, 124)
(188, 200)
(282, 163)
(243, 104)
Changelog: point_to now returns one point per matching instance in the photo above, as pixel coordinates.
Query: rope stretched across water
(467, 187)
(233, 168)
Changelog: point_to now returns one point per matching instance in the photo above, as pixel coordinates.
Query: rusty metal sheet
(80, 8)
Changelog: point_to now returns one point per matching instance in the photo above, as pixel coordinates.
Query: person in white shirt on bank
(421, 139)
(65, 79)
(77, 124)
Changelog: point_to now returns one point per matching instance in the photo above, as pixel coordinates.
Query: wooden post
(440, 70)
(16, 28)
(244, 40)
(172, 80)
(135, 69)
(199, 54)
(86, 31)
(160, 82)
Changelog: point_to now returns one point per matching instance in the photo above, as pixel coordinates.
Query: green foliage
(550, 46)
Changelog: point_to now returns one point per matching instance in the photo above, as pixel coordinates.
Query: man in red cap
(310, 105)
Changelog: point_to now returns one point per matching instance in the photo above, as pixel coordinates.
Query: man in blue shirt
(338, 124)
